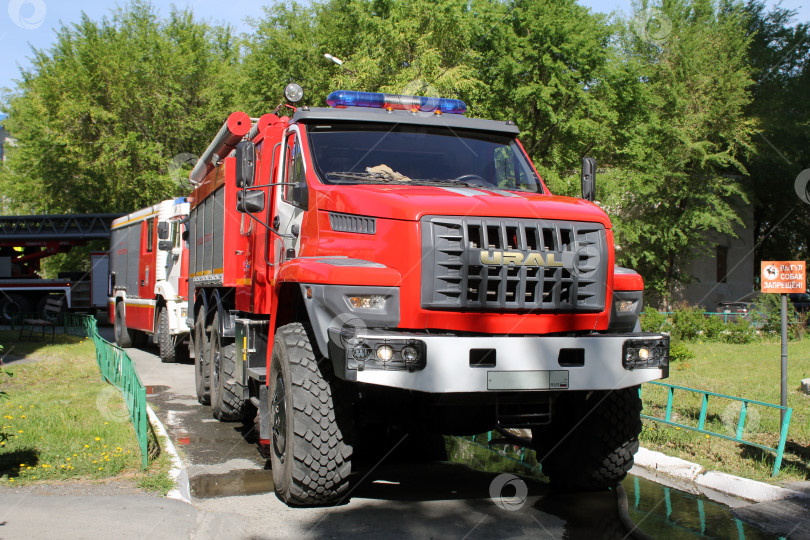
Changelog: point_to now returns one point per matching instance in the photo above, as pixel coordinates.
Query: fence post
(780, 450)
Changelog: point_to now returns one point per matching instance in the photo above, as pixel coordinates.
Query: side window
(150, 233)
(294, 167)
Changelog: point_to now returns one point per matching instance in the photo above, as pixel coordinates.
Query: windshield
(419, 155)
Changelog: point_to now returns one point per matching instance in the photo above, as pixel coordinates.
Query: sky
(27, 23)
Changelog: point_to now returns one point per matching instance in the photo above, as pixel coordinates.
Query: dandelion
(98, 438)
(69, 458)
(10, 479)
(87, 446)
(23, 416)
(19, 431)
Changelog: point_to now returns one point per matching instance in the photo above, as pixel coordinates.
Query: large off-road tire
(592, 439)
(310, 453)
(227, 393)
(166, 341)
(202, 367)
(123, 335)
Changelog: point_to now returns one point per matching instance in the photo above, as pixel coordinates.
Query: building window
(722, 264)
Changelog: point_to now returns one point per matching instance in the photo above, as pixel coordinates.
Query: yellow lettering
(513, 257)
(486, 258)
(550, 261)
(534, 259)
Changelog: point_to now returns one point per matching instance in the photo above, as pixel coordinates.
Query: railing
(116, 368)
(740, 426)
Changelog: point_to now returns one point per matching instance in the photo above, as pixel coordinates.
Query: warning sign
(784, 277)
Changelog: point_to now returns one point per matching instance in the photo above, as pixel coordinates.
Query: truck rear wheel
(12, 304)
(123, 335)
(168, 349)
(310, 458)
(591, 441)
(227, 393)
(202, 368)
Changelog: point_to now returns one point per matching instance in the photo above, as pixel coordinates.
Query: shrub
(713, 328)
(653, 321)
(740, 331)
(679, 352)
(688, 323)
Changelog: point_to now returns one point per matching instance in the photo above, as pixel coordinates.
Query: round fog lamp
(385, 353)
(410, 354)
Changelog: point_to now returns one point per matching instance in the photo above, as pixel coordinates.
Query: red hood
(412, 202)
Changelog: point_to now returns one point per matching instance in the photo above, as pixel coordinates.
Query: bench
(49, 319)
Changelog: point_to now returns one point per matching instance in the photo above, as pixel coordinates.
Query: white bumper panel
(523, 364)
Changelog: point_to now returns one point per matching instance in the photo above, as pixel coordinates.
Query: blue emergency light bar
(352, 98)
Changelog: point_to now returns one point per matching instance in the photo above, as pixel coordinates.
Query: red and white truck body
(389, 264)
(148, 288)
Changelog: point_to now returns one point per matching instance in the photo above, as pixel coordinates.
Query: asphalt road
(232, 486)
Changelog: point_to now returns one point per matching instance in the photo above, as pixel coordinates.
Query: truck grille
(513, 264)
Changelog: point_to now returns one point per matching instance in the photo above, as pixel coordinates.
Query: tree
(100, 116)
(780, 59)
(695, 85)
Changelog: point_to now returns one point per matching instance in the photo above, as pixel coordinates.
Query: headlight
(372, 301)
(646, 353)
(625, 306)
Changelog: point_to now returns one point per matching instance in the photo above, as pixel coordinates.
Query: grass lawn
(61, 422)
(748, 371)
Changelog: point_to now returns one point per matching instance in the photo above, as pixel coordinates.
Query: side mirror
(245, 163)
(300, 195)
(249, 202)
(588, 179)
(163, 230)
(165, 245)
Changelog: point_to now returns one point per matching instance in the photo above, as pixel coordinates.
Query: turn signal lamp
(352, 98)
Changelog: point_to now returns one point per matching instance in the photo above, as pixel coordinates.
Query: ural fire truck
(148, 286)
(389, 261)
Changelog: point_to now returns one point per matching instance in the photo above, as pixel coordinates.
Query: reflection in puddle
(658, 511)
(239, 482)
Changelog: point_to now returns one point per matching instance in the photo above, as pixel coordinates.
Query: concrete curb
(709, 482)
(178, 473)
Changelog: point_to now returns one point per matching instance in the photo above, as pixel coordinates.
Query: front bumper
(454, 364)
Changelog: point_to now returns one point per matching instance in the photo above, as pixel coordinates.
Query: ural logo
(518, 258)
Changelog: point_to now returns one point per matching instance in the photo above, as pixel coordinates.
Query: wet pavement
(484, 490)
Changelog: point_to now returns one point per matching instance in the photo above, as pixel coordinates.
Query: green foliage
(688, 323)
(100, 116)
(679, 352)
(654, 321)
(740, 331)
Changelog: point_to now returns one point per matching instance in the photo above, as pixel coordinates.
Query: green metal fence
(740, 424)
(117, 368)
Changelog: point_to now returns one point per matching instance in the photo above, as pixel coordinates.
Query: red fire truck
(388, 261)
(148, 286)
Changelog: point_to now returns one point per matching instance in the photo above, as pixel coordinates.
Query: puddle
(659, 511)
(239, 482)
(666, 512)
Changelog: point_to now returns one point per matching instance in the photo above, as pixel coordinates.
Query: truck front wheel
(123, 335)
(590, 444)
(202, 369)
(309, 454)
(168, 349)
(227, 392)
